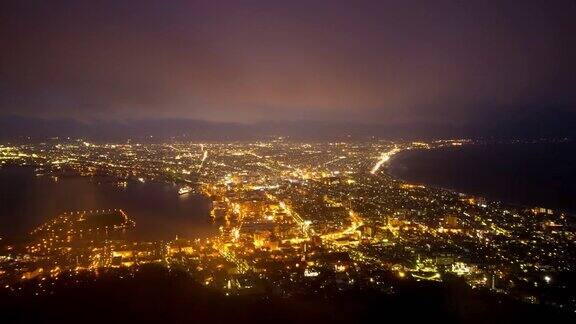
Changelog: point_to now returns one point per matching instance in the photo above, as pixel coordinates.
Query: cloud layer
(250, 61)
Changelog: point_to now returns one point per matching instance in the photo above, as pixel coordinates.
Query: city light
(287, 215)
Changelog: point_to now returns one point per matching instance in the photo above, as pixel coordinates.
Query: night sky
(378, 62)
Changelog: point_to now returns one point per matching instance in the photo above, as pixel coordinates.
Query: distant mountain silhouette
(525, 123)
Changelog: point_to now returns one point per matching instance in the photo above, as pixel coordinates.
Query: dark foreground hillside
(156, 295)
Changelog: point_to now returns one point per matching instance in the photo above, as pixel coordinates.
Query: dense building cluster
(296, 217)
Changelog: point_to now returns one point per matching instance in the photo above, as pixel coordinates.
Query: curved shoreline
(489, 197)
(166, 217)
(427, 185)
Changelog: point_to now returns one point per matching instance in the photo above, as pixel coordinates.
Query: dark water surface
(160, 213)
(525, 174)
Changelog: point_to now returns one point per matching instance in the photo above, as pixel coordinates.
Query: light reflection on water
(160, 213)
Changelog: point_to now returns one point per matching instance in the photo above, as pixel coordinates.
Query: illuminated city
(290, 218)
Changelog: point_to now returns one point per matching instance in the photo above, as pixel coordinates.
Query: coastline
(490, 197)
(39, 198)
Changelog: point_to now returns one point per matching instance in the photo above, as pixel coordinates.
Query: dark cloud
(248, 61)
